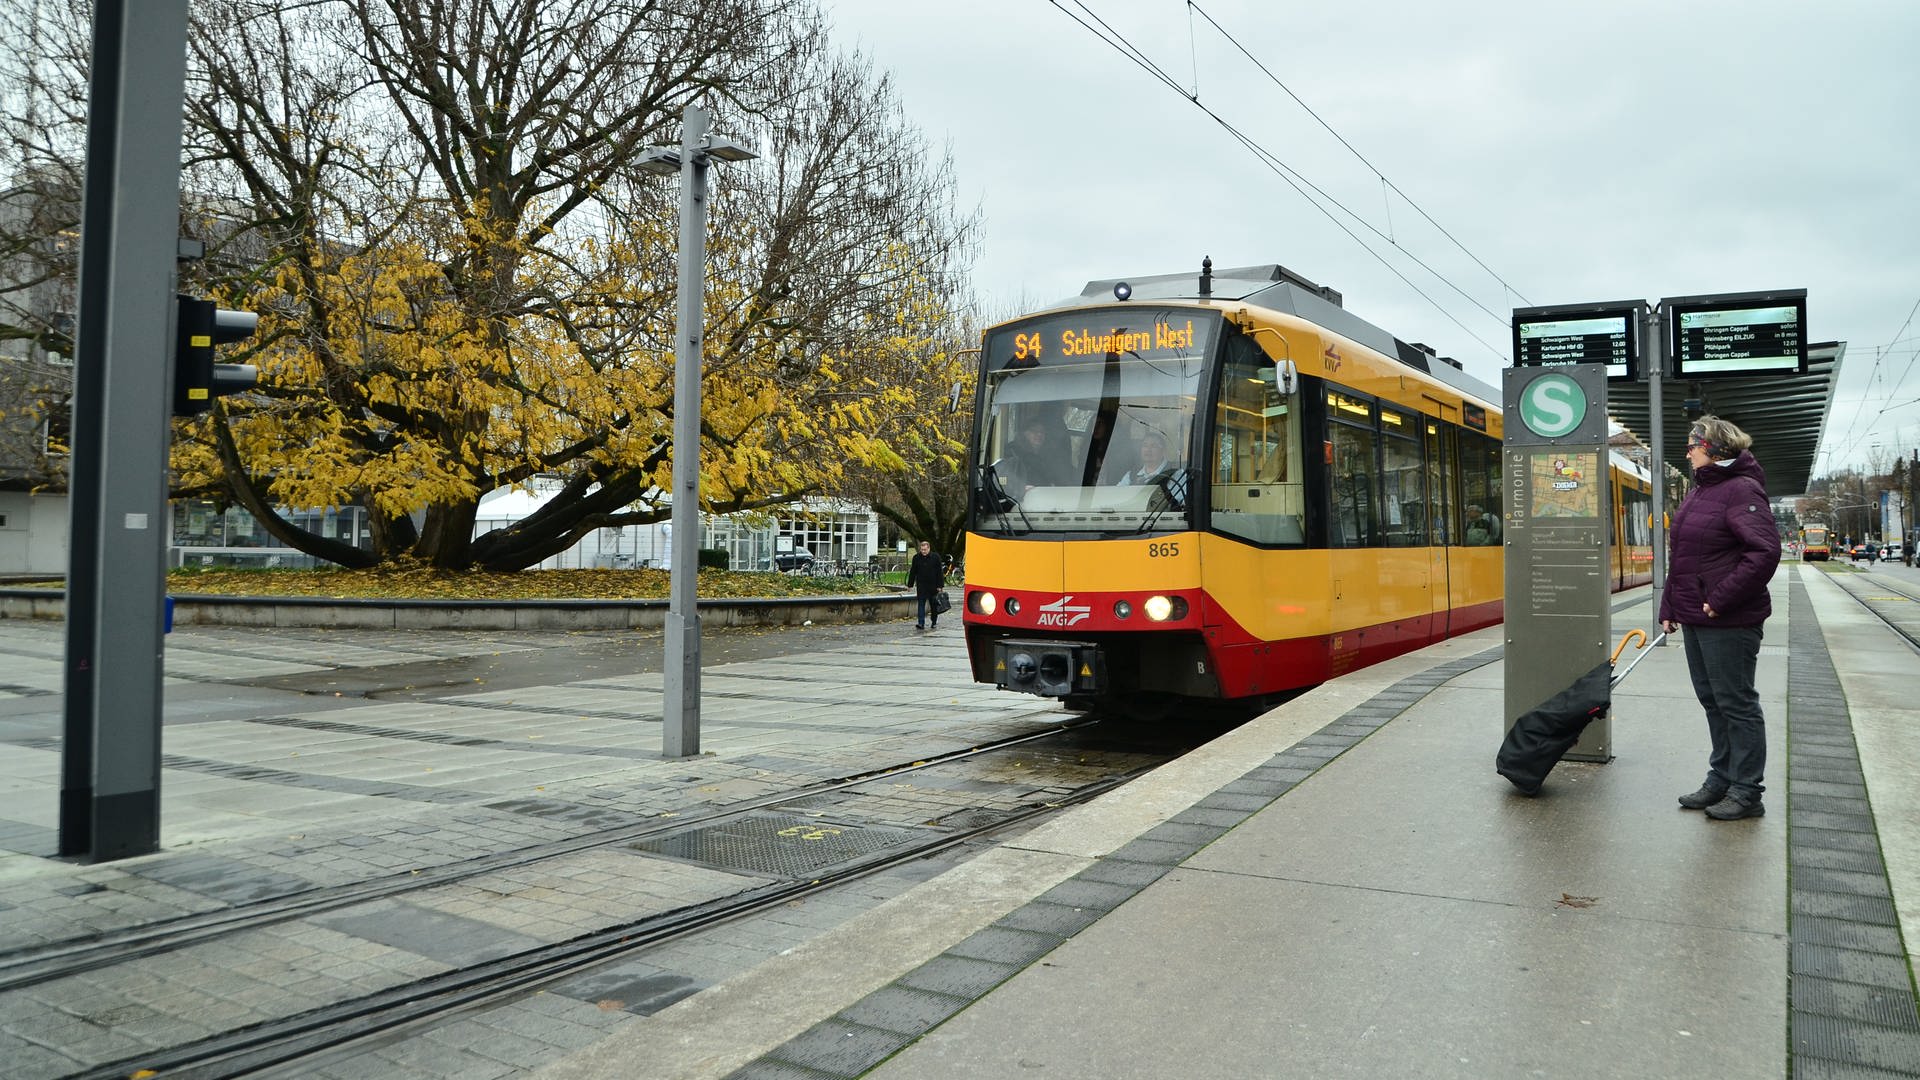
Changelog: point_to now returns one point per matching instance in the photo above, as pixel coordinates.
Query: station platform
(1341, 887)
(1344, 887)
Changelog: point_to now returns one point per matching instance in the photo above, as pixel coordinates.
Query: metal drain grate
(776, 845)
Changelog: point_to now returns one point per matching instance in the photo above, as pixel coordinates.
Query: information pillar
(1556, 527)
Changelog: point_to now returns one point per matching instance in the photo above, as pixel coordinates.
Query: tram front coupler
(1049, 668)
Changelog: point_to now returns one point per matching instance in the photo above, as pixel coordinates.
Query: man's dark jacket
(1724, 548)
(926, 573)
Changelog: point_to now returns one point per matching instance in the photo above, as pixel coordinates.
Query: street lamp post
(681, 732)
(1850, 510)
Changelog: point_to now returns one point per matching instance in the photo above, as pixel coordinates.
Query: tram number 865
(1167, 550)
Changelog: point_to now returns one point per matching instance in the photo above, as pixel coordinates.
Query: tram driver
(1156, 468)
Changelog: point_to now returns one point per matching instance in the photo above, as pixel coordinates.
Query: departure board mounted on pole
(1581, 334)
(1756, 333)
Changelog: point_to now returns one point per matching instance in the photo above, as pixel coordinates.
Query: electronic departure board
(1739, 334)
(1580, 334)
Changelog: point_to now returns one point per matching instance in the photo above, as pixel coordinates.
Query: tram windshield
(1087, 421)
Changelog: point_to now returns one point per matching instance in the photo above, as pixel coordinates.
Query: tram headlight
(1162, 608)
(981, 602)
(1122, 609)
(1013, 605)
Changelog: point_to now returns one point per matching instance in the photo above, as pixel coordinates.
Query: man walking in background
(927, 575)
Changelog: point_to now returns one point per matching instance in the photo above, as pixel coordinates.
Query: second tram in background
(1816, 544)
(1225, 487)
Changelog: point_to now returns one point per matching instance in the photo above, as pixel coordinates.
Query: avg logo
(1062, 613)
(1332, 356)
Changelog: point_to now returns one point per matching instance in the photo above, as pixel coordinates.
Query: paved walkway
(1343, 887)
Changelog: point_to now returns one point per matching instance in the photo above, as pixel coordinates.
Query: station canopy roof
(1785, 414)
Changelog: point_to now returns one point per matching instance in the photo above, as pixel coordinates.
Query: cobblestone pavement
(306, 791)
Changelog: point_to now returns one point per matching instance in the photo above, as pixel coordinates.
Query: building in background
(838, 535)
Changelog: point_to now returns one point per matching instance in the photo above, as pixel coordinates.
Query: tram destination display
(1580, 334)
(1739, 334)
(1135, 333)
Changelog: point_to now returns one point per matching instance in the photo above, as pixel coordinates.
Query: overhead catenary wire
(1099, 27)
(1286, 173)
(1235, 42)
(1858, 431)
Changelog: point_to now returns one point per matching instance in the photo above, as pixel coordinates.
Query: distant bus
(1815, 545)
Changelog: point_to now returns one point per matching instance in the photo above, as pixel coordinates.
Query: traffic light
(197, 380)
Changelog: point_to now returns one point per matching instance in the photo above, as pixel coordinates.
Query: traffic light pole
(117, 489)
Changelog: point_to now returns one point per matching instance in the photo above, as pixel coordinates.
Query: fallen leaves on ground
(431, 584)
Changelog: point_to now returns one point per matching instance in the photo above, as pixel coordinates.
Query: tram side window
(1637, 510)
(1480, 489)
(1257, 486)
(1353, 519)
(1403, 511)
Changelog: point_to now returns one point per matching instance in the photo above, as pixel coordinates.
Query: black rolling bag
(1541, 737)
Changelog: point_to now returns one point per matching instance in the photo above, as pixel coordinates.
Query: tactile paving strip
(1850, 998)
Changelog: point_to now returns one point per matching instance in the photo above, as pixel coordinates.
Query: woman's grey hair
(1722, 438)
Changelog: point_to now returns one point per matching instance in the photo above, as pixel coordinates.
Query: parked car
(1868, 552)
(799, 560)
(1889, 552)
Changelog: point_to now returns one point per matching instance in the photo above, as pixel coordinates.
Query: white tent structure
(625, 547)
(838, 534)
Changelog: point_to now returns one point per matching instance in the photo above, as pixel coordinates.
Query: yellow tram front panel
(1164, 562)
(1089, 579)
(1015, 564)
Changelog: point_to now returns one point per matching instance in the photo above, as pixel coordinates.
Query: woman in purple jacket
(1724, 548)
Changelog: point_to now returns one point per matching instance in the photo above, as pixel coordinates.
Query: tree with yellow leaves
(465, 282)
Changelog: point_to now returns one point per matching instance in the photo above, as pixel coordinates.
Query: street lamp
(681, 732)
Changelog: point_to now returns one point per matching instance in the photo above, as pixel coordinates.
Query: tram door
(1439, 456)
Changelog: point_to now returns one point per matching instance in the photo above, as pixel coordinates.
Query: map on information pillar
(1566, 485)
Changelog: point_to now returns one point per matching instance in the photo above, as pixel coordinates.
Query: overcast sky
(1582, 151)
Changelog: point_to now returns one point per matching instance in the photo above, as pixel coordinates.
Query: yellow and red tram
(1816, 544)
(1227, 487)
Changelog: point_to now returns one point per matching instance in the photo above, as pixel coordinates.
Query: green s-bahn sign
(1553, 405)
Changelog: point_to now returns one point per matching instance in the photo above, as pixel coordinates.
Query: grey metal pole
(130, 238)
(681, 737)
(1655, 324)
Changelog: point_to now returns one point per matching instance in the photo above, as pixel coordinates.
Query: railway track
(1891, 599)
(1061, 766)
(27, 966)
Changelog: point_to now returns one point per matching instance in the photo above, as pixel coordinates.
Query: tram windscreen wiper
(1164, 498)
(998, 499)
